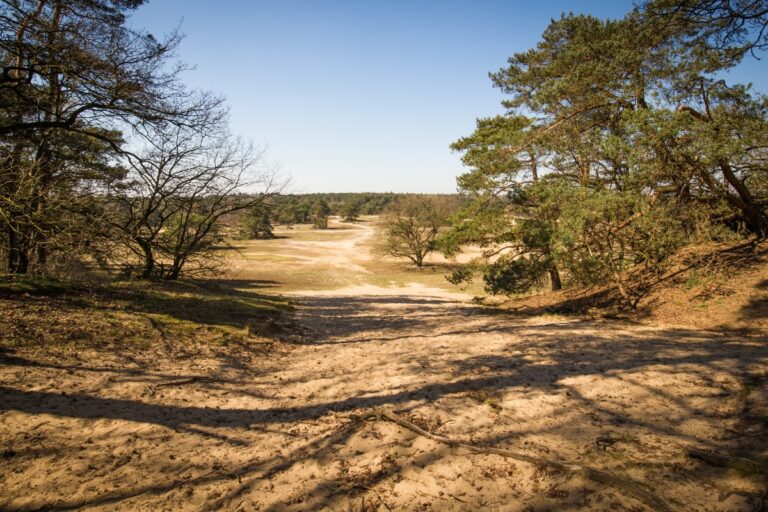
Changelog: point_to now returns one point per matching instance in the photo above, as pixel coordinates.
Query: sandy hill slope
(717, 286)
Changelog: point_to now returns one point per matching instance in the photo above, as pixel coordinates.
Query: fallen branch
(181, 382)
(727, 461)
(632, 488)
(381, 500)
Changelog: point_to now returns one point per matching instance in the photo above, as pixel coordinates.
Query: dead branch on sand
(633, 489)
(746, 464)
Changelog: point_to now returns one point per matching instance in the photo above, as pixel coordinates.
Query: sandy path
(277, 431)
(345, 253)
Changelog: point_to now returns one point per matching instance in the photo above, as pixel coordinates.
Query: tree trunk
(149, 258)
(743, 200)
(44, 157)
(41, 256)
(18, 258)
(534, 166)
(12, 248)
(18, 251)
(758, 223)
(554, 278)
(175, 272)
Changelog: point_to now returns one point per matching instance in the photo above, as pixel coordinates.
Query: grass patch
(387, 273)
(135, 314)
(32, 285)
(693, 280)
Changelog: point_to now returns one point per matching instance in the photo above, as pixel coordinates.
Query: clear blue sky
(361, 95)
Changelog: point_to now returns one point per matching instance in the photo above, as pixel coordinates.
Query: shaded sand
(276, 432)
(230, 429)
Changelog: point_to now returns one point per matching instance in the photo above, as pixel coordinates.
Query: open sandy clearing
(302, 261)
(280, 430)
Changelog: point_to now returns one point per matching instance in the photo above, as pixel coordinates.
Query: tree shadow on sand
(536, 362)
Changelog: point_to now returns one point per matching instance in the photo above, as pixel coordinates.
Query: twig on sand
(456, 498)
(630, 487)
(726, 461)
(381, 500)
(180, 382)
(152, 388)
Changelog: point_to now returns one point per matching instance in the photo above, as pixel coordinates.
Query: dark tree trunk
(534, 166)
(756, 219)
(18, 252)
(18, 260)
(38, 245)
(554, 278)
(12, 250)
(175, 271)
(149, 258)
(41, 255)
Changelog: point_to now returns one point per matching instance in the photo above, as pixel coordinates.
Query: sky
(362, 96)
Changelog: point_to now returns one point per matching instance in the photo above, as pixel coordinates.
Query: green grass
(401, 273)
(694, 279)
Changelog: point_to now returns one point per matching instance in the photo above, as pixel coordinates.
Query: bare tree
(74, 79)
(180, 187)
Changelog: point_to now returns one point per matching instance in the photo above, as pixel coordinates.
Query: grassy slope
(38, 312)
(715, 286)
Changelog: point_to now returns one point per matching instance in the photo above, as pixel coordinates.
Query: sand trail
(239, 430)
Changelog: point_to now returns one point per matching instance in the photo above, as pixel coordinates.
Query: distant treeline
(297, 208)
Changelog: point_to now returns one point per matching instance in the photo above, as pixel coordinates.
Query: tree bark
(18, 254)
(756, 219)
(175, 272)
(149, 258)
(554, 278)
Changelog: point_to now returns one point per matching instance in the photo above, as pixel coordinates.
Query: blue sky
(355, 96)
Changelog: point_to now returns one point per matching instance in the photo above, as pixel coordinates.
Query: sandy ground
(273, 431)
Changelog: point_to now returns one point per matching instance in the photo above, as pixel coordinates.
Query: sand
(229, 429)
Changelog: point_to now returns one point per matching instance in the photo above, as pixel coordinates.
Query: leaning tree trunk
(756, 218)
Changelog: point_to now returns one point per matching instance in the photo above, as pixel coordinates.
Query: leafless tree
(179, 187)
(74, 79)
